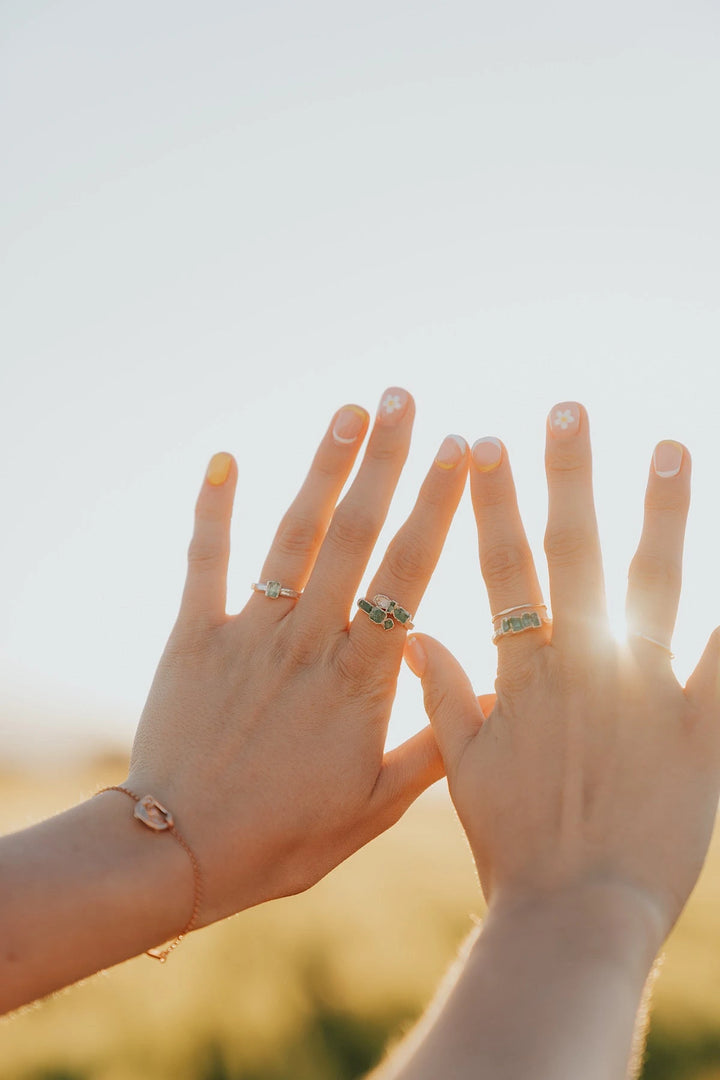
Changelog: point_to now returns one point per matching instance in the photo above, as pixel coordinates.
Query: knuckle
(653, 571)
(297, 535)
(516, 678)
(407, 559)
(568, 545)
(203, 553)
(567, 462)
(501, 563)
(352, 530)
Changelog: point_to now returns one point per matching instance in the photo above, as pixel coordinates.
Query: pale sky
(221, 221)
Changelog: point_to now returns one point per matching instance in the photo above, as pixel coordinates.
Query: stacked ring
(386, 612)
(273, 589)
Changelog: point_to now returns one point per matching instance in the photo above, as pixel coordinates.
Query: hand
(594, 770)
(264, 732)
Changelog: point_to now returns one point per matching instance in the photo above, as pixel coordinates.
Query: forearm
(550, 991)
(83, 891)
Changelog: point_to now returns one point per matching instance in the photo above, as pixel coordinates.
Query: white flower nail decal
(392, 403)
(563, 419)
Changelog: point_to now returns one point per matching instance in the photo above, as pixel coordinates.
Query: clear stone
(272, 589)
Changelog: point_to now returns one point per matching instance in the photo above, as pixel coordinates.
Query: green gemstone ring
(273, 589)
(385, 612)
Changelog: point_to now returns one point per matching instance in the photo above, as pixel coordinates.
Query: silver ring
(654, 641)
(518, 624)
(273, 589)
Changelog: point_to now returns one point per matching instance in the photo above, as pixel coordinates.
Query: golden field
(315, 986)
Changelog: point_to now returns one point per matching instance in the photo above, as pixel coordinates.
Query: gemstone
(515, 624)
(505, 628)
(377, 615)
(272, 589)
(388, 624)
(401, 614)
(365, 605)
(153, 814)
(384, 602)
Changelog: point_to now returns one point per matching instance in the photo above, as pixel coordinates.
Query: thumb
(450, 701)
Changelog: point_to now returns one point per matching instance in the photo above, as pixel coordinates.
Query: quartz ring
(386, 612)
(273, 589)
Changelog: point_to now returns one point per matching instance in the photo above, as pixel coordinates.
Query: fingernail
(415, 656)
(487, 454)
(218, 469)
(392, 406)
(564, 420)
(349, 424)
(451, 452)
(667, 459)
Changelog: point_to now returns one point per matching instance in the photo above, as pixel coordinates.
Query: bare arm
(263, 733)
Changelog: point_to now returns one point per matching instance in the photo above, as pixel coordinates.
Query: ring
(518, 607)
(518, 624)
(654, 641)
(273, 589)
(386, 612)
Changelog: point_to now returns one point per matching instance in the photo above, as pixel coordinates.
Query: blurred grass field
(316, 986)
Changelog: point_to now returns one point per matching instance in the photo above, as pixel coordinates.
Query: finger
(487, 703)
(205, 593)
(409, 561)
(572, 544)
(302, 529)
(655, 574)
(450, 702)
(506, 561)
(703, 686)
(408, 770)
(358, 519)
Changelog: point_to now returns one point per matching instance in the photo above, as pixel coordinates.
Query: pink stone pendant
(153, 814)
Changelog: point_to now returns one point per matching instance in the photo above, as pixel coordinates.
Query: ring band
(654, 641)
(386, 612)
(518, 624)
(273, 589)
(518, 607)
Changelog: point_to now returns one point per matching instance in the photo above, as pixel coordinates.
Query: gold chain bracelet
(156, 817)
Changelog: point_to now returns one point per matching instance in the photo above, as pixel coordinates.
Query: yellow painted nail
(219, 469)
(451, 452)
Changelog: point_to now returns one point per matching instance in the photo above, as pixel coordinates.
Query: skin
(263, 732)
(588, 790)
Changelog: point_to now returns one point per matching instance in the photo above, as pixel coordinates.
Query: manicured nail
(487, 454)
(564, 420)
(451, 452)
(415, 657)
(218, 469)
(349, 424)
(392, 406)
(667, 459)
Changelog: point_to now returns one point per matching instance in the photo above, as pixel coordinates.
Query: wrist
(607, 922)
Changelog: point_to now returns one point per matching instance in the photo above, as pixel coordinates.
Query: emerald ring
(518, 624)
(386, 612)
(273, 589)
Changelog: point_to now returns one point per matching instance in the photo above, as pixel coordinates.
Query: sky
(220, 221)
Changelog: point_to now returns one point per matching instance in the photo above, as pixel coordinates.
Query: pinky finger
(205, 594)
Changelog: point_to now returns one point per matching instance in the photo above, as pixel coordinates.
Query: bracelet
(153, 814)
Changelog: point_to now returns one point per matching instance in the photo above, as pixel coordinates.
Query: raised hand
(264, 732)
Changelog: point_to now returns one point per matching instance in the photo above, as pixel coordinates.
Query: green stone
(365, 605)
(272, 589)
(505, 628)
(377, 615)
(388, 624)
(401, 614)
(515, 624)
